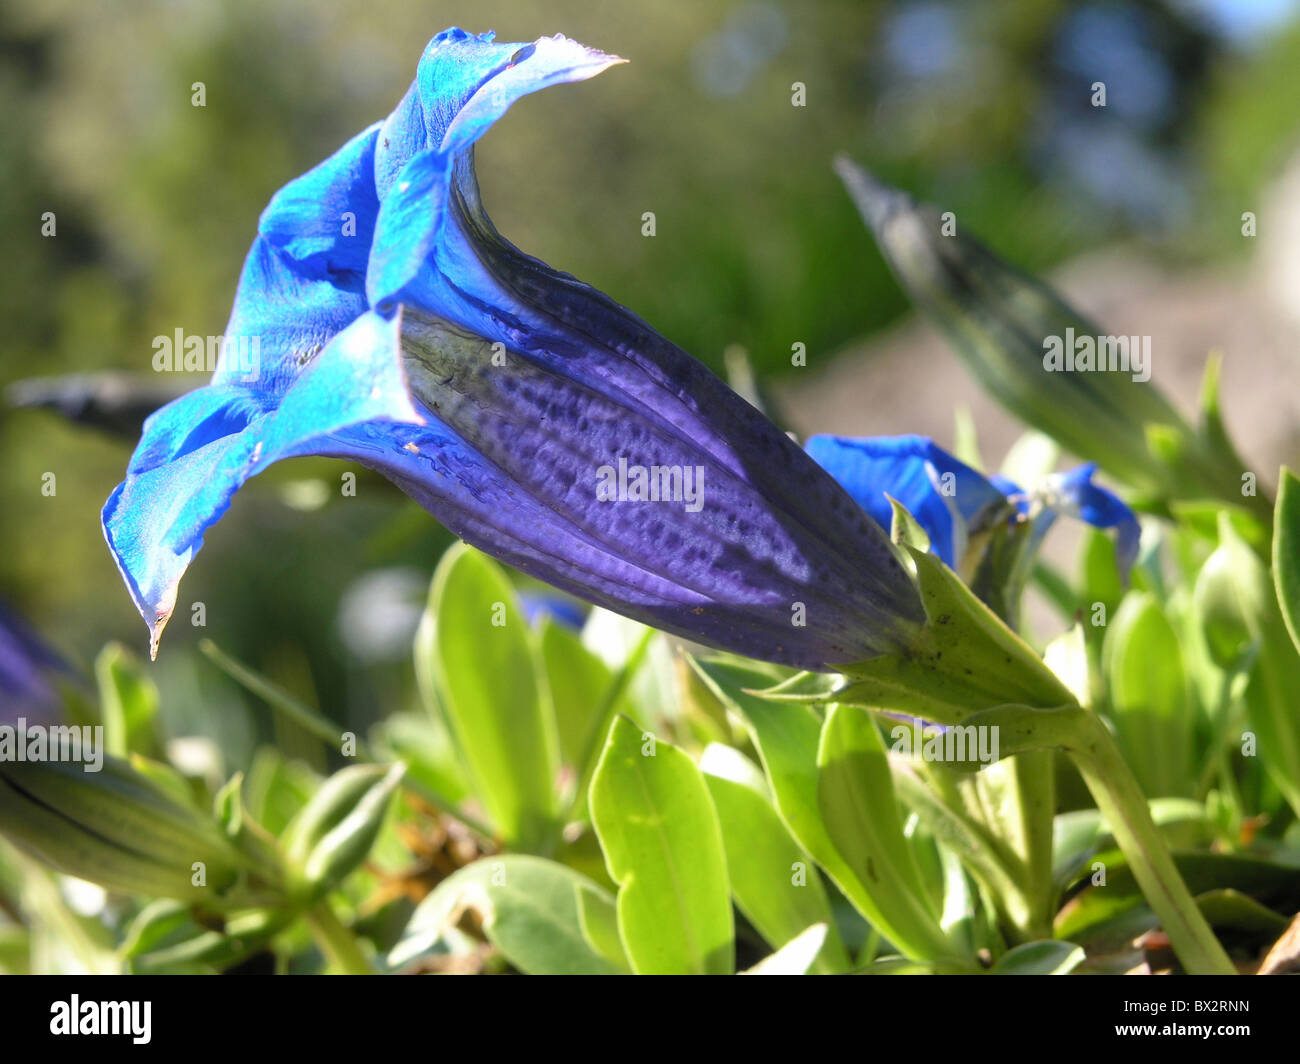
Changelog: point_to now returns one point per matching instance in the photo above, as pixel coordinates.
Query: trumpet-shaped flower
(952, 501)
(531, 414)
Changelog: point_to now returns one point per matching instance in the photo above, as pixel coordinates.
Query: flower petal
(942, 493)
(465, 82)
(1075, 494)
(198, 451)
(304, 277)
(697, 589)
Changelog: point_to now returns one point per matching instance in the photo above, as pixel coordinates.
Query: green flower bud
(1220, 598)
(1043, 360)
(335, 830)
(118, 828)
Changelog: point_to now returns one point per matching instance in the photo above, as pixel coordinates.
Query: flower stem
(1082, 735)
(967, 667)
(1125, 808)
(338, 944)
(1033, 778)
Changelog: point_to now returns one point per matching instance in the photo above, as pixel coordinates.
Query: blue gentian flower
(532, 415)
(952, 501)
(28, 670)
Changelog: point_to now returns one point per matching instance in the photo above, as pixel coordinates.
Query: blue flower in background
(395, 327)
(952, 501)
(27, 669)
(564, 611)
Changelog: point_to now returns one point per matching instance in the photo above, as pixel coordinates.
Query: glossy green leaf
(277, 788)
(474, 650)
(1099, 574)
(531, 909)
(598, 918)
(422, 742)
(855, 794)
(1270, 883)
(1149, 705)
(788, 738)
(1067, 657)
(1049, 957)
(663, 846)
(1231, 909)
(1080, 833)
(1286, 551)
(1248, 604)
(773, 880)
(128, 701)
(578, 681)
(165, 938)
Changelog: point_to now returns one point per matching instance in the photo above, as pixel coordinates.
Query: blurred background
(982, 107)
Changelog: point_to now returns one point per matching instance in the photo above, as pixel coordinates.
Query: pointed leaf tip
(875, 200)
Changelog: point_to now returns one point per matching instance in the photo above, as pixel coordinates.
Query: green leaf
(960, 919)
(855, 794)
(663, 846)
(965, 437)
(474, 650)
(809, 687)
(578, 681)
(228, 806)
(1270, 883)
(1286, 551)
(795, 957)
(773, 880)
(965, 660)
(165, 938)
(1048, 957)
(277, 789)
(1067, 657)
(128, 702)
(1099, 574)
(532, 909)
(422, 742)
(906, 529)
(599, 920)
(788, 737)
(1143, 665)
(1228, 908)
(1246, 611)
(1080, 833)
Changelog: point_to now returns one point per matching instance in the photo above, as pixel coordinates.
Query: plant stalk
(338, 944)
(1125, 808)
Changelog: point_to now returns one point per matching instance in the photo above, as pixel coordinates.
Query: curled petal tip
(162, 614)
